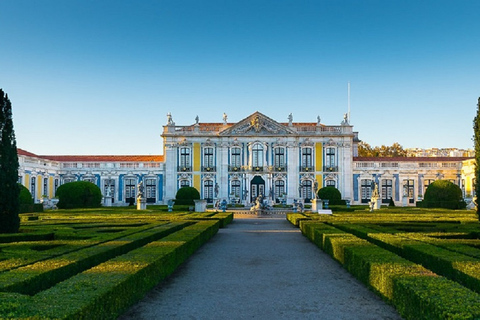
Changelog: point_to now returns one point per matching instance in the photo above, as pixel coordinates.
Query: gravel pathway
(261, 268)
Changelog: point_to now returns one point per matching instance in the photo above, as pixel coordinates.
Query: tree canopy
(476, 140)
(9, 191)
(395, 150)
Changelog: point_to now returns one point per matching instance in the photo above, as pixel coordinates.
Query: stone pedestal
(316, 205)
(200, 205)
(107, 201)
(141, 204)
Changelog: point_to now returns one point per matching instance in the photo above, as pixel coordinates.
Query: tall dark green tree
(9, 203)
(476, 139)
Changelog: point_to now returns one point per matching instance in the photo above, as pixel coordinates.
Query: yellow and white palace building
(284, 161)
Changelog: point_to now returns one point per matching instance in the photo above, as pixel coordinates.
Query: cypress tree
(476, 139)
(9, 191)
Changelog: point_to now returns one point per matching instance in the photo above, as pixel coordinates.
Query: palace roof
(94, 158)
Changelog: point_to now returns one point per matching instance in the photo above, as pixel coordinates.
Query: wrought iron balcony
(280, 168)
(307, 169)
(209, 169)
(330, 169)
(184, 168)
(235, 168)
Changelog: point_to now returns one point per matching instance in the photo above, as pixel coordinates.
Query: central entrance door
(257, 187)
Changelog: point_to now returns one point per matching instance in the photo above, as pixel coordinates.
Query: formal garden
(425, 262)
(94, 263)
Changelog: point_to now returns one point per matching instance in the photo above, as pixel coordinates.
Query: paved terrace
(260, 268)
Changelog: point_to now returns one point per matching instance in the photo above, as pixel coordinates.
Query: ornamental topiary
(79, 194)
(331, 194)
(443, 194)
(186, 195)
(25, 199)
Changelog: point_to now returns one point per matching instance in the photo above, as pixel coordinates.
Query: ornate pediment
(257, 124)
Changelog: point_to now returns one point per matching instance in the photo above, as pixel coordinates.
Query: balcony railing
(307, 168)
(235, 168)
(209, 168)
(184, 168)
(330, 169)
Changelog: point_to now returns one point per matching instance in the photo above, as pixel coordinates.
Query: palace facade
(284, 161)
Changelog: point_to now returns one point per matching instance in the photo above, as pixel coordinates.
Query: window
(408, 189)
(306, 188)
(151, 190)
(279, 158)
(306, 157)
(330, 158)
(130, 190)
(330, 183)
(208, 157)
(426, 183)
(68, 179)
(386, 190)
(236, 188)
(366, 185)
(185, 157)
(184, 183)
(32, 187)
(56, 183)
(45, 186)
(89, 179)
(279, 189)
(208, 190)
(235, 160)
(257, 155)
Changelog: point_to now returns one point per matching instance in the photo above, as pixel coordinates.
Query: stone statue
(140, 190)
(197, 119)
(318, 120)
(216, 190)
(315, 189)
(225, 117)
(345, 119)
(169, 119)
(290, 119)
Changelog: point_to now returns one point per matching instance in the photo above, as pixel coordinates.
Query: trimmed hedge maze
(93, 265)
(425, 263)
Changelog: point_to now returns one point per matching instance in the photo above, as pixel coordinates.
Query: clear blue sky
(99, 77)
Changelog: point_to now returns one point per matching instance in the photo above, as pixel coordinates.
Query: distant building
(284, 161)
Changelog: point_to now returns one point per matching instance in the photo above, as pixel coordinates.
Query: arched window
(330, 183)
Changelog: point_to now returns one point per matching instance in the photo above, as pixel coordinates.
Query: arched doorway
(257, 187)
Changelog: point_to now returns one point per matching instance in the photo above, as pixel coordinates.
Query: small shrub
(25, 199)
(331, 194)
(186, 195)
(443, 194)
(391, 203)
(79, 194)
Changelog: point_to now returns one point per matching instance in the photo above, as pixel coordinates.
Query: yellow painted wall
(50, 187)
(27, 181)
(319, 157)
(196, 156)
(197, 182)
(319, 179)
(39, 187)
